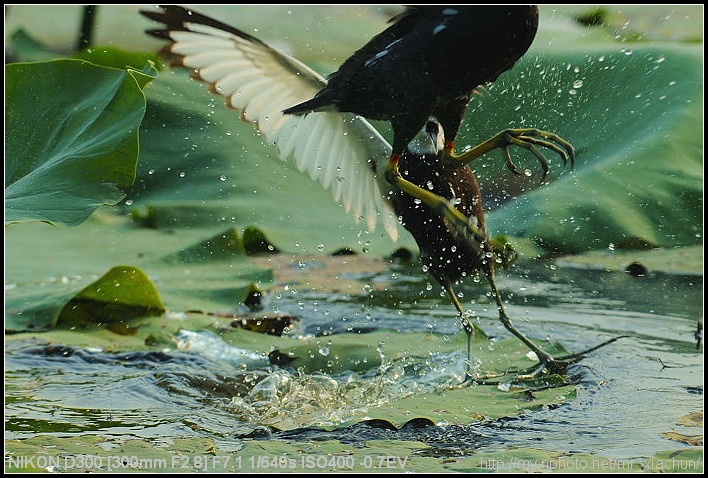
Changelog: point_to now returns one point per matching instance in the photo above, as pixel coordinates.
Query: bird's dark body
(447, 259)
(428, 63)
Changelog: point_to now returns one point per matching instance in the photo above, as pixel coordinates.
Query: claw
(551, 365)
(576, 357)
(542, 159)
(528, 138)
(559, 365)
(509, 163)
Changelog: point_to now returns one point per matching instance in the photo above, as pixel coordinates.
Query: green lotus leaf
(71, 138)
(121, 294)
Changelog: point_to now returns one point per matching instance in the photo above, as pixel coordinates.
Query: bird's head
(429, 140)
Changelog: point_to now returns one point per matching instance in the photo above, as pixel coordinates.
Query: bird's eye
(431, 128)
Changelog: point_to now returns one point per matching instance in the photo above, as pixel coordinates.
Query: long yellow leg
(466, 324)
(543, 356)
(527, 138)
(547, 363)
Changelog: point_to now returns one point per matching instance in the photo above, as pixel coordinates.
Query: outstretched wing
(343, 152)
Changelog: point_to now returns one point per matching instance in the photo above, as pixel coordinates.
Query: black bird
(429, 63)
(261, 82)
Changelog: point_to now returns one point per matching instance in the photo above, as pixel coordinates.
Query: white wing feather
(341, 151)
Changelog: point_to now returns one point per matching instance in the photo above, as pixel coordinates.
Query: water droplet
(182, 174)
(320, 247)
(578, 84)
(222, 177)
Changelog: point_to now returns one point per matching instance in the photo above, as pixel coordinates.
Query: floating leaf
(265, 324)
(122, 294)
(256, 242)
(679, 461)
(694, 419)
(50, 266)
(681, 260)
(693, 440)
(223, 246)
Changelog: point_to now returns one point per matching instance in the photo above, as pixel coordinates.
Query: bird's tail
(318, 103)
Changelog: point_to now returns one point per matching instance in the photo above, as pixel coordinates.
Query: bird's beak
(436, 136)
(429, 140)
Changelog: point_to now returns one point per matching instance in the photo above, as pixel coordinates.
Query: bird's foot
(549, 365)
(550, 372)
(472, 379)
(527, 138)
